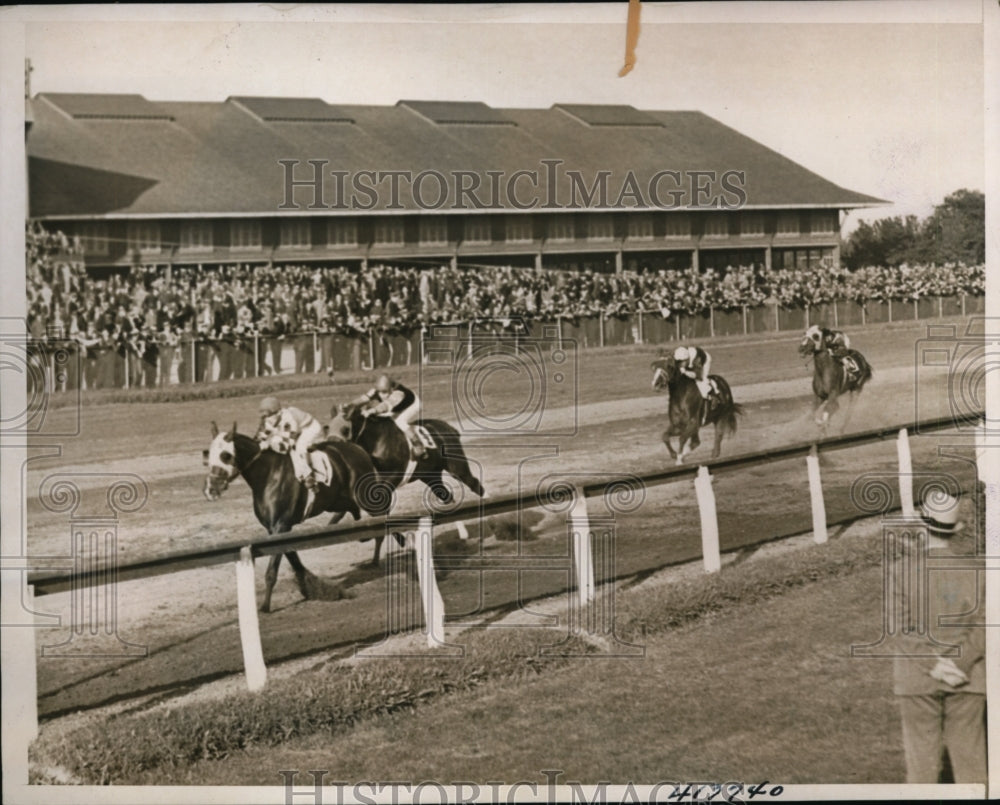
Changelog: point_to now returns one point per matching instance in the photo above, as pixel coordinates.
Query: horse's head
(664, 371)
(343, 421)
(812, 341)
(220, 458)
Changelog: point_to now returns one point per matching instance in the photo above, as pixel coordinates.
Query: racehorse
(830, 378)
(389, 449)
(281, 501)
(689, 410)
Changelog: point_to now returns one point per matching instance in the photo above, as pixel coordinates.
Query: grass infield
(726, 678)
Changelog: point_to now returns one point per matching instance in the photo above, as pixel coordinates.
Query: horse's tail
(727, 416)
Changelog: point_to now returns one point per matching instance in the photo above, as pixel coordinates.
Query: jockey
(391, 398)
(695, 363)
(285, 429)
(838, 343)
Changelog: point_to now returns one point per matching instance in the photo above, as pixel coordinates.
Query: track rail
(47, 583)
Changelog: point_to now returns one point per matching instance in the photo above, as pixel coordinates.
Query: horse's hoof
(264, 609)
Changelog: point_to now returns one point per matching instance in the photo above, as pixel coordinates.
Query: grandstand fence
(194, 359)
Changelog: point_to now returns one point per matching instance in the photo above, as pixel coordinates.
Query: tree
(956, 230)
(954, 233)
(886, 242)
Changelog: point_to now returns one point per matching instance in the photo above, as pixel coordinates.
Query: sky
(882, 98)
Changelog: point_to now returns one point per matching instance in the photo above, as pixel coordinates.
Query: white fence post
(256, 355)
(30, 719)
(583, 558)
(246, 600)
(430, 596)
(816, 497)
(905, 473)
(709, 521)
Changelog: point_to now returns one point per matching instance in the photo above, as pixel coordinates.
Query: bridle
(230, 476)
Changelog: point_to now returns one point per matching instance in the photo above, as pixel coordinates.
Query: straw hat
(939, 512)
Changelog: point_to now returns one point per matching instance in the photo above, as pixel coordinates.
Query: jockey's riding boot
(416, 446)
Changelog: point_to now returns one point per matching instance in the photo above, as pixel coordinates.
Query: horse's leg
(848, 410)
(337, 518)
(270, 579)
(461, 471)
(310, 585)
(820, 415)
(378, 551)
(717, 443)
(666, 436)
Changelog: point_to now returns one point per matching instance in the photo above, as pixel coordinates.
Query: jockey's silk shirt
(397, 400)
(279, 431)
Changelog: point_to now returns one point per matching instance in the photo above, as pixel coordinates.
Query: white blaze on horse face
(221, 445)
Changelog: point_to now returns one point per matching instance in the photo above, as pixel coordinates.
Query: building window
(600, 227)
(478, 230)
(93, 237)
(294, 233)
(751, 224)
(342, 232)
(389, 232)
(716, 225)
(244, 235)
(788, 224)
(803, 258)
(678, 226)
(562, 228)
(143, 236)
(640, 227)
(433, 229)
(196, 236)
(520, 229)
(822, 223)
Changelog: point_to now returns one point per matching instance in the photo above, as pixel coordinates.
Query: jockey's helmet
(384, 384)
(269, 405)
(681, 354)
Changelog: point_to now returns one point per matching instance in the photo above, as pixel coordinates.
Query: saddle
(852, 369)
(319, 460)
(712, 399)
(425, 437)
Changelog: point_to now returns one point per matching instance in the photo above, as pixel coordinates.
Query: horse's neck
(246, 451)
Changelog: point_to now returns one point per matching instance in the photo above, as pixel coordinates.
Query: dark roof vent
(451, 113)
(106, 107)
(612, 115)
(292, 110)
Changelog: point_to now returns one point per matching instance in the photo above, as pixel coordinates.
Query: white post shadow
(583, 559)
(905, 473)
(816, 497)
(246, 600)
(422, 543)
(709, 521)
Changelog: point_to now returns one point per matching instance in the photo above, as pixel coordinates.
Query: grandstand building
(297, 180)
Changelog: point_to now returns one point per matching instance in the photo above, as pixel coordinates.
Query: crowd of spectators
(147, 314)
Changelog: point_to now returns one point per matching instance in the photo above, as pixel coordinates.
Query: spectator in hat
(939, 666)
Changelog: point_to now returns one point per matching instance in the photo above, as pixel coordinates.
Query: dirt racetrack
(600, 418)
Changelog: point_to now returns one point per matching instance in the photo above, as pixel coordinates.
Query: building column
(767, 257)
(454, 262)
(695, 258)
(618, 262)
(538, 261)
(836, 254)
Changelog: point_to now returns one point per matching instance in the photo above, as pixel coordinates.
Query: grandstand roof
(122, 155)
